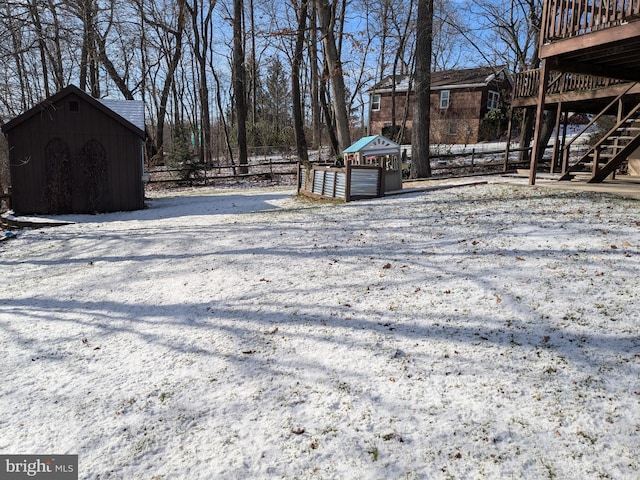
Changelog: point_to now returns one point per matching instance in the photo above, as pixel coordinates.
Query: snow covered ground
(487, 331)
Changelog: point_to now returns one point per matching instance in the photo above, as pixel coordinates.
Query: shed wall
(75, 161)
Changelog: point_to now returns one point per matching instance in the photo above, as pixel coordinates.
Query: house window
(444, 99)
(453, 128)
(375, 103)
(493, 101)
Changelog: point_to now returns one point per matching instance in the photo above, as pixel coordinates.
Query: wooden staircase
(606, 156)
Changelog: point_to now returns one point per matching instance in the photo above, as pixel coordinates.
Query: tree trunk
(201, 39)
(170, 78)
(420, 165)
(316, 125)
(239, 84)
(298, 120)
(338, 91)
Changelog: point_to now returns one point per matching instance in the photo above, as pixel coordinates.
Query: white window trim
(445, 99)
(373, 102)
(493, 100)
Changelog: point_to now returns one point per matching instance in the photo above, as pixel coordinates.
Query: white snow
(488, 331)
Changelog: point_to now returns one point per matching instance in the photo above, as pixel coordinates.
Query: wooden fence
(285, 172)
(196, 174)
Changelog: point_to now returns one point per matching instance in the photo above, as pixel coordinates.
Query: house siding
(467, 108)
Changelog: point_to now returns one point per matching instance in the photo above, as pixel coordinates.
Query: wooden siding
(102, 171)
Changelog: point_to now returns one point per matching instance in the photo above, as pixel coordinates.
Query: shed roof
(131, 110)
(374, 145)
(447, 79)
(130, 113)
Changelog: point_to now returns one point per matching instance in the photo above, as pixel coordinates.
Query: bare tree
(239, 84)
(202, 33)
(298, 119)
(420, 164)
(326, 17)
(169, 33)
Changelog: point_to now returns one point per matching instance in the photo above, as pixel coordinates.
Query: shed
(72, 153)
(378, 151)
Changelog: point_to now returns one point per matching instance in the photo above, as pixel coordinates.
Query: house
(589, 40)
(72, 153)
(460, 101)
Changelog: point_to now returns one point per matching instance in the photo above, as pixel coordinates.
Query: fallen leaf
(265, 280)
(248, 352)
(447, 291)
(392, 379)
(520, 258)
(388, 265)
(498, 299)
(626, 244)
(545, 339)
(297, 431)
(614, 247)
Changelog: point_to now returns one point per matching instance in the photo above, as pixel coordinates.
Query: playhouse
(372, 168)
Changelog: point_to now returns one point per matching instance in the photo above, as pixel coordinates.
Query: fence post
(347, 189)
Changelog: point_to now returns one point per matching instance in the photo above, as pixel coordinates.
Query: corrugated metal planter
(351, 182)
(372, 168)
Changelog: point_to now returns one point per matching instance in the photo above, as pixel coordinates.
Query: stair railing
(597, 147)
(565, 153)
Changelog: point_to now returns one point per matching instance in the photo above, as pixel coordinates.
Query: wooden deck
(596, 37)
(580, 92)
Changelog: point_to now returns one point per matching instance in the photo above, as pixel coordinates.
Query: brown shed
(72, 153)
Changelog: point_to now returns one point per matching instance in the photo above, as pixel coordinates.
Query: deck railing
(569, 18)
(526, 84)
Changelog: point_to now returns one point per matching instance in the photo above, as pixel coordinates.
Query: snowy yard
(478, 332)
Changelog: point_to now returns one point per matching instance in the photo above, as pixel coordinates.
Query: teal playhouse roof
(374, 145)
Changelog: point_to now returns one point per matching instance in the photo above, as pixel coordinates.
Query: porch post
(506, 149)
(537, 150)
(556, 142)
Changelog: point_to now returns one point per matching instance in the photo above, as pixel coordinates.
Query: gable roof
(448, 79)
(374, 145)
(131, 110)
(130, 115)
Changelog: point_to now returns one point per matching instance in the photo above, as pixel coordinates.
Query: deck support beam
(556, 142)
(538, 149)
(508, 145)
